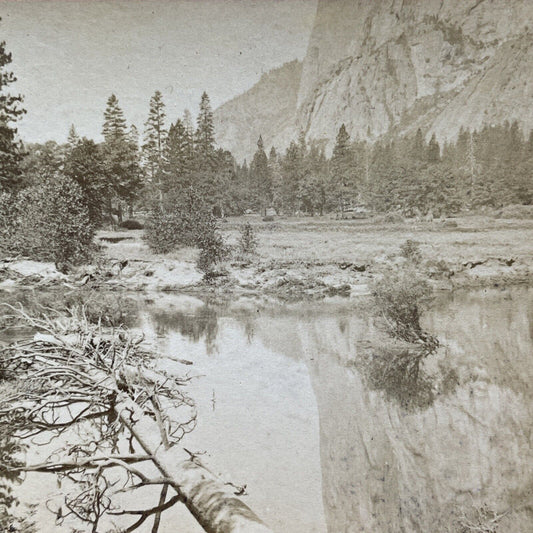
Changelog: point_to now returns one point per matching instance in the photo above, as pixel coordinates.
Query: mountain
(397, 65)
(267, 109)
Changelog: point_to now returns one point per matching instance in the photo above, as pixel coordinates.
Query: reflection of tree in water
(200, 324)
(248, 325)
(398, 371)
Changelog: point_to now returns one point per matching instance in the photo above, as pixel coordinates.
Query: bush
(8, 223)
(410, 250)
(49, 222)
(213, 251)
(248, 240)
(177, 221)
(131, 224)
(398, 295)
(516, 211)
(162, 230)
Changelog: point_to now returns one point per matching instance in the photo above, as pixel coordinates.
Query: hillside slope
(267, 109)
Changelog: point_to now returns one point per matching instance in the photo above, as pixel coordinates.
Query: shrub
(8, 222)
(50, 222)
(398, 295)
(162, 230)
(213, 251)
(410, 250)
(181, 220)
(131, 224)
(248, 240)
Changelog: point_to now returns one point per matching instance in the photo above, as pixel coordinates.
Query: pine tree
(292, 170)
(114, 128)
(177, 164)
(120, 159)
(260, 178)
(274, 168)
(73, 137)
(11, 150)
(189, 130)
(205, 137)
(433, 150)
(417, 153)
(155, 136)
(85, 164)
(342, 183)
(133, 136)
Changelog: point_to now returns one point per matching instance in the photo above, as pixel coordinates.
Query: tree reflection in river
(196, 325)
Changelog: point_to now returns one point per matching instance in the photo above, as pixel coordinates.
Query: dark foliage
(50, 222)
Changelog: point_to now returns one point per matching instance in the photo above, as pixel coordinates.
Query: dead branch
(76, 377)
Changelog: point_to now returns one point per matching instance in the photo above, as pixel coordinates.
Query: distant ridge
(267, 109)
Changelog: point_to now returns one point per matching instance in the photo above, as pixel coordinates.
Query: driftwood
(72, 373)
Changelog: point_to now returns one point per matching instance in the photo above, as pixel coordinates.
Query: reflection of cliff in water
(387, 468)
(452, 460)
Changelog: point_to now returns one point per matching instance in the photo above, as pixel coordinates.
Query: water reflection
(299, 403)
(440, 451)
(198, 325)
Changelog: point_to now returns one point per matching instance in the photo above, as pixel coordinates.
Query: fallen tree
(128, 415)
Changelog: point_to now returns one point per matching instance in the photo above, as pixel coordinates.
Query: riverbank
(305, 257)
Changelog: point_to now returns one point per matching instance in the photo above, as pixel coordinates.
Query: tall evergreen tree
(121, 159)
(154, 136)
(292, 170)
(86, 165)
(177, 164)
(342, 186)
(260, 178)
(11, 150)
(274, 168)
(433, 150)
(205, 134)
(133, 136)
(73, 138)
(114, 128)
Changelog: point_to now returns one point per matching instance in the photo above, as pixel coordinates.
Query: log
(213, 503)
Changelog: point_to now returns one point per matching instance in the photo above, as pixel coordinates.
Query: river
(289, 405)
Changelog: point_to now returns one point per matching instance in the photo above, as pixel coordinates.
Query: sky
(70, 56)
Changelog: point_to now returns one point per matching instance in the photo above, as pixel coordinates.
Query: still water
(288, 405)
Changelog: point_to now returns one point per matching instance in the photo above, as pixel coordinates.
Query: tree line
(490, 167)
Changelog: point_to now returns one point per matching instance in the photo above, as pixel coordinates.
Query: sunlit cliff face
(383, 65)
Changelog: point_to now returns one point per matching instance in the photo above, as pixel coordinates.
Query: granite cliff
(396, 65)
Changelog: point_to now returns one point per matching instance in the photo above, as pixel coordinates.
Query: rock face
(402, 64)
(267, 109)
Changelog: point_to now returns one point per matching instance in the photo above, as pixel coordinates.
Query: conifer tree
(133, 136)
(292, 174)
(177, 158)
(73, 137)
(85, 164)
(11, 150)
(155, 136)
(114, 128)
(341, 169)
(189, 131)
(205, 137)
(121, 159)
(433, 150)
(274, 168)
(260, 178)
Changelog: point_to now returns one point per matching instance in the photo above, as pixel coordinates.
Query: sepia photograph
(266, 266)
